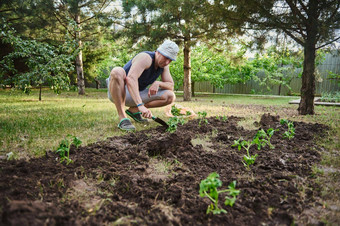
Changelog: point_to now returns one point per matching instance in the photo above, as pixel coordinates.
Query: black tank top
(149, 75)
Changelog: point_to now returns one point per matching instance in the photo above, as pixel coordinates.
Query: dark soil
(152, 177)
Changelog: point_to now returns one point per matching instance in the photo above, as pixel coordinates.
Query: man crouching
(127, 86)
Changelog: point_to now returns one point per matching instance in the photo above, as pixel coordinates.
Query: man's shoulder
(143, 57)
(147, 54)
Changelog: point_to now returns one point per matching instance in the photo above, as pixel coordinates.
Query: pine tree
(186, 22)
(313, 24)
(88, 16)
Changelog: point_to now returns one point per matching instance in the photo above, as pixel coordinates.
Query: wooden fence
(323, 83)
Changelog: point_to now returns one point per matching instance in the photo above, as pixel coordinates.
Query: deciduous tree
(47, 20)
(45, 63)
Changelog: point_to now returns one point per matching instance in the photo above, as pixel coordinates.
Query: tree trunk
(280, 85)
(306, 106)
(187, 72)
(193, 89)
(40, 88)
(97, 83)
(279, 92)
(79, 62)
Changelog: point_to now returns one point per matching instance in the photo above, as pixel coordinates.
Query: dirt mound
(152, 177)
(268, 121)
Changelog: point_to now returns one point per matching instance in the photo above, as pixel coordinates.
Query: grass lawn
(30, 127)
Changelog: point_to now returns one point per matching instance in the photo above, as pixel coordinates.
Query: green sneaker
(126, 125)
(136, 116)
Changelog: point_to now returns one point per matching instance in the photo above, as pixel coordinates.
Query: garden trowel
(160, 121)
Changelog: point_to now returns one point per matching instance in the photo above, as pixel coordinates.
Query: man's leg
(117, 90)
(167, 98)
(162, 98)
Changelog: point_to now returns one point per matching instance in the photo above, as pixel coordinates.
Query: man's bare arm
(166, 83)
(141, 62)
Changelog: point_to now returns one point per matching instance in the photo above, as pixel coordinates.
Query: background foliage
(112, 35)
(46, 64)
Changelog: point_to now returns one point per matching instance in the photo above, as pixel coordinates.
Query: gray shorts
(143, 94)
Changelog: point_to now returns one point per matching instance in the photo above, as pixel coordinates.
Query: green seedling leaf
(246, 145)
(209, 188)
(261, 133)
(233, 192)
(262, 138)
(210, 184)
(283, 121)
(64, 148)
(290, 133)
(173, 122)
(249, 159)
(76, 141)
(229, 201)
(175, 111)
(237, 143)
(259, 142)
(202, 114)
(232, 189)
(270, 132)
(202, 118)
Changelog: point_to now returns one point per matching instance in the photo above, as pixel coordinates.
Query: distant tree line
(204, 29)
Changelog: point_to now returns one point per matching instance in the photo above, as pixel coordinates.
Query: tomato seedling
(223, 118)
(209, 188)
(202, 117)
(290, 133)
(64, 148)
(262, 138)
(173, 122)
(175, 111)
(248, 159)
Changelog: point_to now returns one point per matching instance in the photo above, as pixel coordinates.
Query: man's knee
(170, 97)
(117, 74)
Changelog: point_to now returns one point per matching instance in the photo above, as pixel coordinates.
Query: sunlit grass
(29, 127)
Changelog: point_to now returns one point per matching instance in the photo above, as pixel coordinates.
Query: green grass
(29, 128)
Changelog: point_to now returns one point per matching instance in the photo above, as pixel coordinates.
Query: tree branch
(62, 24)
(102, 7)
(14, 19)
(6, 10)
(335, 12)
(90, 18)
(293, 37)
(327, 43)
(296, 11)
(303, 6)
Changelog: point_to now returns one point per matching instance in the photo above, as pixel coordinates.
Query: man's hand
(153, 89)
(146, 113)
